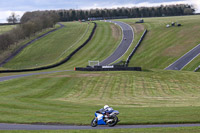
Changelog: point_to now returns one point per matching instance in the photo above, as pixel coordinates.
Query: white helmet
(106, 106)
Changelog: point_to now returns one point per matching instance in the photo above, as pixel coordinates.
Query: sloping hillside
(162, 46)
(53, 47)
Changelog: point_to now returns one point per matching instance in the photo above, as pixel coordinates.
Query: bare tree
(13, 18)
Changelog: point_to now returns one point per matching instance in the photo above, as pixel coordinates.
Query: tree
(14, 18)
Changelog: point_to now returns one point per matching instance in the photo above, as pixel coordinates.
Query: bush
(31, 22)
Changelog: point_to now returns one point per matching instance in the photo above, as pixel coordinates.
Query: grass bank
(162, 46)
(53, 47)
(104, 42)
(73, 97)
(6, 53)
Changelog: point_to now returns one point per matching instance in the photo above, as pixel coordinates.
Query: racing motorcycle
(104, 119)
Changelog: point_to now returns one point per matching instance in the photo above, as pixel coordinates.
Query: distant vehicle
(167, 26)
(173, 24)
(140, 21)
(179, 25)
(83, 20)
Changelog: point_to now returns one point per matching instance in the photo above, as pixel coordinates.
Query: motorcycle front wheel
(94, 122)
(114, 122)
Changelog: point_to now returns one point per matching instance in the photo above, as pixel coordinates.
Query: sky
(21, 6)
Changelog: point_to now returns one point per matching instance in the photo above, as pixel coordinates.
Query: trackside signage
(107, 66)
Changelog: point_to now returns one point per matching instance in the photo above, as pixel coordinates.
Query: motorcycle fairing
(100, 119)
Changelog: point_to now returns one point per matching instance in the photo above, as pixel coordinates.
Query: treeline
(31, 23)
(134, 12)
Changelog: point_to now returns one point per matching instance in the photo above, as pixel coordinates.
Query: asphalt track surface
(185, 59)
(127, 39)
(68, 127)
(29, 74)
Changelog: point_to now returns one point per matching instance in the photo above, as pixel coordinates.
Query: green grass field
(73, 97)
(162, 46)
(53, 47)
(6, 53)
(6, 28)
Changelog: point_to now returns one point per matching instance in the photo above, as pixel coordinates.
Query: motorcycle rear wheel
(94, 122)
(114, 122)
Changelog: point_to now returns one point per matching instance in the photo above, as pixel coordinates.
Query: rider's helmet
(106, 106)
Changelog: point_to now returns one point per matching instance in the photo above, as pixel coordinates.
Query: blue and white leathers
(100, 119)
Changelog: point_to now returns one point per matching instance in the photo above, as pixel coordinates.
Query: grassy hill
(59, 44)
(7, 53)
(73, 97)
(162, 46)
(105, 40)
(53, 47)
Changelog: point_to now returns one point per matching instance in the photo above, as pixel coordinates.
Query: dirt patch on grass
(116, 31)
(137, 27)
(176, 51)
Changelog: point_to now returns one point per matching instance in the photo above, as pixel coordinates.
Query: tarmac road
(4, 126)
(185, 59)
(25, 75)
(128, 36)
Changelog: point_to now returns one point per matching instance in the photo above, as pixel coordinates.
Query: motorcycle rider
(106, 111)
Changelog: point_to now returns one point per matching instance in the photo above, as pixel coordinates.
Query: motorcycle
(104, 119)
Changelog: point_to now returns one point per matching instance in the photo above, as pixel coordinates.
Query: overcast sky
(21, 6)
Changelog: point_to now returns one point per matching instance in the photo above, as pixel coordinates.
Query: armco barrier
(56, 64)
(108, 69)
(134, 50)
(197, 69)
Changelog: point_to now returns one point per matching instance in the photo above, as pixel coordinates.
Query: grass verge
(162, 46)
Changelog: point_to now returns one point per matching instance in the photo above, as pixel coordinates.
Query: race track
(68, 127)
(127, 39)
(25, 75)
(185, 59)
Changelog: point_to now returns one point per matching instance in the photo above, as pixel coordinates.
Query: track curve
(5, 126)
(127, 39)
